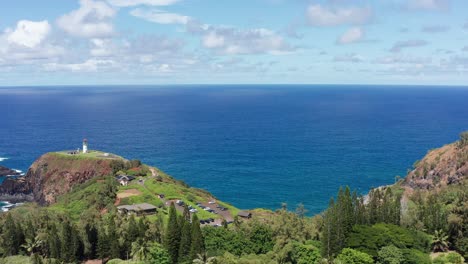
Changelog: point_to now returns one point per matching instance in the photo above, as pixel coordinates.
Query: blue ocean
(250, 145)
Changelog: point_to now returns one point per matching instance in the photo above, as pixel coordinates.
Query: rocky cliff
(441, 167)
(54, 174)
(8, 172)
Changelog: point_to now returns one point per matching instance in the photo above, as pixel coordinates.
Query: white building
(85, 145)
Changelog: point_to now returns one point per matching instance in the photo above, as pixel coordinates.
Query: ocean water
(252, 146)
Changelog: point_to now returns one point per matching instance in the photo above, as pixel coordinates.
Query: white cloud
(28, 43)
(91, 20)
(352, 57)
(212, 40)
(29, 33)
(165, 68)
(326, 16)
(400, 45)
(250, 41)
(434, 5)
(126, 3)
(90, 65)
(159, 16)
(101, 47)
(435, 29)
(402, 59)
(352, 35)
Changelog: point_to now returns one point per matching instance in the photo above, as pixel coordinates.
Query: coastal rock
(441, 167)
(8, 172)
(54, 174)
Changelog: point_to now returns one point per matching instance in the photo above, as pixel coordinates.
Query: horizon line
(230, 84)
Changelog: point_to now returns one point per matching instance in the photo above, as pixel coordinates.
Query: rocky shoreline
(16, 198)
(4, 171)
(13, 188)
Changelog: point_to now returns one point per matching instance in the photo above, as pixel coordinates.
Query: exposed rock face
(7, 172)
(55, 174)
(440, 167)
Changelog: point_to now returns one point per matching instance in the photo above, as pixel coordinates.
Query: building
(124, 179)
(138, 209)
(244, 214)
(85, 145)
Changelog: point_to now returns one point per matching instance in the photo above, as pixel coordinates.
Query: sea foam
(2, 159)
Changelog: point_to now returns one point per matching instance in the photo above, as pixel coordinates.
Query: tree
(197, 244)
(452, 258)
(172, 239)
(12, 236)
(390, 255)
(32, 245)
(68, 241)
(53, 242)
(351, 256)
(305, 254)
(439, 241)
(157, 255)
(328, 233)
(185, 241)
(203, 259)
(261, 238)
(102, 246)
(301, 211)
(113, 238)
(140, 250)
(370, 239)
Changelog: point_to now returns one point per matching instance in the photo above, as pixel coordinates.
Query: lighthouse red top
(85, 140)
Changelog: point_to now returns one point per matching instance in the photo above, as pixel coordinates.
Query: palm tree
(439, 241)
(32, 245)
(140, 250)
(204, 259)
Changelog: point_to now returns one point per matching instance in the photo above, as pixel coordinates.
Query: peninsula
(107, 208)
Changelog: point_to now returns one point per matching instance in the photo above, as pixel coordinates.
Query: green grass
(190, 196)
(80, 199)
(233, 210)
(15, 260)
(92, 154)
(146, 197)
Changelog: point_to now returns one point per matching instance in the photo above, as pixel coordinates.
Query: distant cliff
(441, 167)
(54, 174)
(8, 172)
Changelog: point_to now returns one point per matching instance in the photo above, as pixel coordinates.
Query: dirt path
(128, 193)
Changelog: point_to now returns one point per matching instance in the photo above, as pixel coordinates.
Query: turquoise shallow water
(253, 146)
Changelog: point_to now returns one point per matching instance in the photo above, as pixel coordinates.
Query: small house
(138, 209)
(124, 179)
(244, 214)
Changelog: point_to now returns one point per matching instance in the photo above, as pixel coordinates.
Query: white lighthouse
(85, 145)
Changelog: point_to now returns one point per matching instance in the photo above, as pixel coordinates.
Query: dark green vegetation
(420, 219)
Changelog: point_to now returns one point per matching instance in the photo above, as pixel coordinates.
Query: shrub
(370, 239)
(463, 139)
(413, 256)
(351, 256)
(390, 255)
(306, 254)
(451, 258)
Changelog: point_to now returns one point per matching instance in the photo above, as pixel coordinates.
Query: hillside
(89, 200)
(55, 173)
(75, 183)
(441, 167)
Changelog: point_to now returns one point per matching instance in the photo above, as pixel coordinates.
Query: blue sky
(57, 42)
